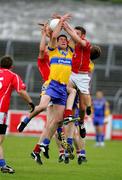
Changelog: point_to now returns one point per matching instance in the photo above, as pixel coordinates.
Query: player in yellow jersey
(60, 56)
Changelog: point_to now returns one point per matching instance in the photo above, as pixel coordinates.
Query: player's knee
(83, 107)
(40, 108)
(72, 91)
(57, 120)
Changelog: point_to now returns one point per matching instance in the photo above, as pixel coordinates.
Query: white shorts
(81, 81)
(3, 118)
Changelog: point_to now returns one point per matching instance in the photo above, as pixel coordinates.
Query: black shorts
(3, 128)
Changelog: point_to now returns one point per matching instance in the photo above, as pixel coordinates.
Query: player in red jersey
(9, 81)
(44, 69)
(80, 78)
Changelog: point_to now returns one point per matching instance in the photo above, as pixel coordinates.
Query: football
(53, 23)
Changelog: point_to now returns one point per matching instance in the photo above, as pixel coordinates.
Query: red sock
(78, 152)
(37, 148)
(61, 152)
(68, 112)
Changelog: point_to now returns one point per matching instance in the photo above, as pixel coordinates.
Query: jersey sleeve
(44, 68)
(17, 83)
(51, 51)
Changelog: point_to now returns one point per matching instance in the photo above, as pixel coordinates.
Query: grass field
(103, 163)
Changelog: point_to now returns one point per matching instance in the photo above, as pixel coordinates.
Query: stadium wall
(112, 126)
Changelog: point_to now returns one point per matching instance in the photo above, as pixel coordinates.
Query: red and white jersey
(81, 58)
(9, 81)
(44, 67)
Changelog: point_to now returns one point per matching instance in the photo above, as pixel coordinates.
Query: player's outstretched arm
(27, 98)
(66, 16)
(70, 30)
(55, 34)
(43, 41)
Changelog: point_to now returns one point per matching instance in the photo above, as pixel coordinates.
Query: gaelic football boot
(45, 150)
(82, 130)
(7, 169)
(23, 124)
(61, 158)
(81, 159)
(66, 159)
(36, 157)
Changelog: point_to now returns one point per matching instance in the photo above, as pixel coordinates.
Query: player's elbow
(21, 92)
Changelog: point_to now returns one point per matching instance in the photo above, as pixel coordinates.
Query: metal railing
(106, 68)
(118, 101)
(109, 60)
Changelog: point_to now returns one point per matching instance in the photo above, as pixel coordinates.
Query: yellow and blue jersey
(91, 66)
(60, 64)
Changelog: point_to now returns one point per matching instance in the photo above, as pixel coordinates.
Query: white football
(53, 23)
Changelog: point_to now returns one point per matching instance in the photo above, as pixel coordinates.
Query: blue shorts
(57, 92)
(76, 115)
(98, 121)
(76, 101)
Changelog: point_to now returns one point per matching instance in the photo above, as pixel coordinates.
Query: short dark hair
(95, 52)
(83, 31)
(62, 35)
(6, 62)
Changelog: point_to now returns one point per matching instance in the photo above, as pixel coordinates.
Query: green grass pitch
(103, 163)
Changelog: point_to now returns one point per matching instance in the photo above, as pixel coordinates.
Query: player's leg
(88, 104)
(50, 129)
(96, 123)
(82, 108)
(69, 131)
(82, 83)
(97, 138)
(99, 124)
(36, 151)
(44, 101)
(101, 134)
(4, 167)
(59, 102)
(70, 101)
(60, 149)
(80, 146)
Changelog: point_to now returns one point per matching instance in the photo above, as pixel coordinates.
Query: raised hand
(66, 16)
(56, 15)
